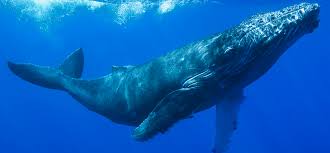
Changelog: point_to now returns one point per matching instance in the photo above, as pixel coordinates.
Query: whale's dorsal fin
(121, 68)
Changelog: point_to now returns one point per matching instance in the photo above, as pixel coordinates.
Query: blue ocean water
(285, 111)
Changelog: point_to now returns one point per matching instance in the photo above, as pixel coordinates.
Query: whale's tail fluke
(74, 64)
(48, 77)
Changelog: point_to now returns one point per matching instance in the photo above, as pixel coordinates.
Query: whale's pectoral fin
(226, 120)
(177, 105)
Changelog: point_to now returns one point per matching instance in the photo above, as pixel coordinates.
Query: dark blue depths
(286, 111)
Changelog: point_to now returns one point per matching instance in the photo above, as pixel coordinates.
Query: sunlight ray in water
(45, 11)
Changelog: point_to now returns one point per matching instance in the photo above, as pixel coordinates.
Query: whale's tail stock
(48, 77)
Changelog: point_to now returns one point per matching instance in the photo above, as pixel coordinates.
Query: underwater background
(286, 111)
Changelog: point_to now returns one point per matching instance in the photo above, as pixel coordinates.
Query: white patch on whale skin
(228, 49)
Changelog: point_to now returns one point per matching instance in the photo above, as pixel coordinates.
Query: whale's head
(248, 50)
(280, 29)
(294, 20)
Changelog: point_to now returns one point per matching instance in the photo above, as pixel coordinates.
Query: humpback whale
(213, 71)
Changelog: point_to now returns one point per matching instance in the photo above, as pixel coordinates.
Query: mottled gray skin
(157, 94)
